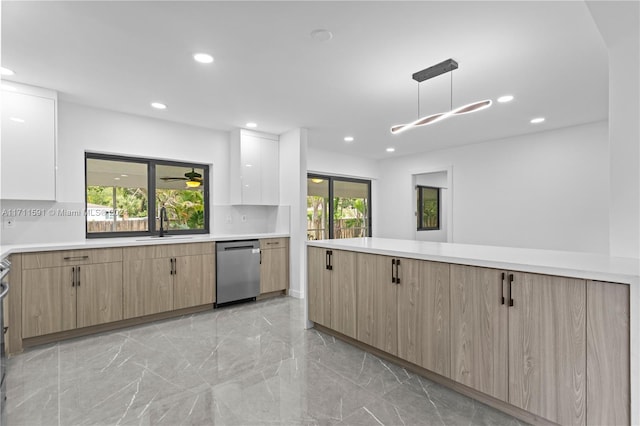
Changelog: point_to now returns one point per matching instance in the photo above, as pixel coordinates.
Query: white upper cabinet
(28, 156)
(254, 168)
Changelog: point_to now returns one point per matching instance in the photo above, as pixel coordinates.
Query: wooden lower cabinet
(148, 287)
(377, 302)
(319, 286)
(194, 277)
(423, 315)
(343, 292)
(608, 369)
(68, 297)
(155, 285)
(274, 269)
(99, 294)
(547, 347)
(48, 301)
(332, 289)
(479, 330)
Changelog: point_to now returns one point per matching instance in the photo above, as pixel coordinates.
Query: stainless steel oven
(5, 267)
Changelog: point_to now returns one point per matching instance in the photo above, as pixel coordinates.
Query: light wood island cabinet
(542, 347)
(423, 315)
(166, 277)
(274, 265)
(479, 330)
(65, 290)
(332, 289)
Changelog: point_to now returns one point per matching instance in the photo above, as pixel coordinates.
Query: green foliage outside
(185, 208)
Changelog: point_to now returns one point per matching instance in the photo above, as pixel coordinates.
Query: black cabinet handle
(78, 277)
(510, 290)
(397, 271)
(330, 265)
(73, 276)
(393, 274)
(502, 288)
(175, 266)
(76, 257)
(261, 257)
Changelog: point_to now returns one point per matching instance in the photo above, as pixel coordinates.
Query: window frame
(151, 197)
(331, 180)
(420, 204)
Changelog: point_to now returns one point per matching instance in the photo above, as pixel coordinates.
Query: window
(338, 207)
(428, 208)
(118, 201)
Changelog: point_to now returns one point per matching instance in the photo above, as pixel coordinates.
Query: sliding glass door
(338, 207)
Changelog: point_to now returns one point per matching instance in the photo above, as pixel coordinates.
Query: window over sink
(118, 201)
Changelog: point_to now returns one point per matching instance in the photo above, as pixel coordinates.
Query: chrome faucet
(163, 218)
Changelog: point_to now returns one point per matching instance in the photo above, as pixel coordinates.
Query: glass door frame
(331, 180)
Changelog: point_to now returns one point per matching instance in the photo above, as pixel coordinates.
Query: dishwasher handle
(239, 248)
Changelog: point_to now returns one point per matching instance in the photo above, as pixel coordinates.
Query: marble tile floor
(248, 364)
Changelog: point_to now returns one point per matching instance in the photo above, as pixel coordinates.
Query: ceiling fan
(193, 178)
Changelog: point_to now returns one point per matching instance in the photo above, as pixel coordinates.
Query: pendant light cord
(451, 93)
(418, 100)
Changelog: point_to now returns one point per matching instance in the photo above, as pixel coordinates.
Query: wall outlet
(8, 222)
(244, 218)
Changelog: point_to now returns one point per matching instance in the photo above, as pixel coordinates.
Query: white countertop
(6, 250)
(550, 262)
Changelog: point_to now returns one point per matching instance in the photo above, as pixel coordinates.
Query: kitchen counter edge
(6, 250)
(581, 265)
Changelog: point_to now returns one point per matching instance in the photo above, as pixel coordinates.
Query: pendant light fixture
(434, 71)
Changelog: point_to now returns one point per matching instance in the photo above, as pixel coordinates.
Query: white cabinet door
(254, 168)
(28, 147)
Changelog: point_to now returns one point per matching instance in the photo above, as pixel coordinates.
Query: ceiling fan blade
(171, 179)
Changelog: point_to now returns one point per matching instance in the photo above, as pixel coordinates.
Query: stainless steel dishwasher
(237, 271)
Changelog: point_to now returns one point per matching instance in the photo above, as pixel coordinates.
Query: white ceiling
(268, 69)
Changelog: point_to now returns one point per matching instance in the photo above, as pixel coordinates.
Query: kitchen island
(544, 335)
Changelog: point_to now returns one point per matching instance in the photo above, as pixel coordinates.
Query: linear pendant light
(434, 71)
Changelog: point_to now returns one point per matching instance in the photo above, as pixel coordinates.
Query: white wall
(619, 24)
(547, 190)
(336, 164)
(293, 192)
(81, 129)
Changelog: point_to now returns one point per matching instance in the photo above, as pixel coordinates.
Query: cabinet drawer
(271, 243)
(168, 250)
(70, 257)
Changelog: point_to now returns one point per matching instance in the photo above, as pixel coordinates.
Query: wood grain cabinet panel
(332, 289)
(547, 347)
(274, 265)
(99, 294)
(479, 330)
(423, 315)
(377, 304)
(319, 286)
(343, 292)
(608, 397)
(194, 281)
(148, 287)
(48, 301)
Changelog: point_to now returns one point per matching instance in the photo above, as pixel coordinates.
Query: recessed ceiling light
(537, 120)
(17, 119)
(124, 175)
(348, 138)
(391, 149)
(158, 105)
(321, 35)
(252, 125)
(203, 58)
(6, 71)
(505, 98)
(116, 178)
